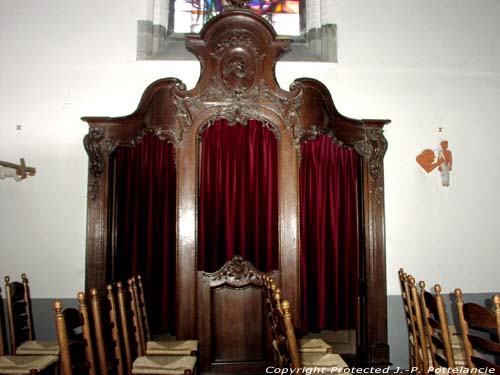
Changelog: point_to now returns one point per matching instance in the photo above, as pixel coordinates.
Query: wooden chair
(136, 362)
(269, 289)
(20, 317)
(107, 334)
(288, 353)
(410, 323)
(74, 337)
(476, 323)
(149, 346)
(25, 364)
(272, 298)
(420, 348)
(446, 349)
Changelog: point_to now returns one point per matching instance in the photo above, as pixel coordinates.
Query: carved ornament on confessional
(313, 132)
(98, 148)
(236, 87)
(373, 148)
(237, 271)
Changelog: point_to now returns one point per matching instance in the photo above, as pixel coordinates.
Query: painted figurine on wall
(445, 160)
(427, 160)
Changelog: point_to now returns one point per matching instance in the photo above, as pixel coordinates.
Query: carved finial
(7, 279)
(400, 273)
(277, 294)
(411, 280)
(57, 306)
(93, 292)
(421, 284)
(285, 306)
(437, 288)
(496, 301)
(458, 294)
(81, 298)
(109, 288)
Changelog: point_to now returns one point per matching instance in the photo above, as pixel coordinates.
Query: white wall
(421, 64)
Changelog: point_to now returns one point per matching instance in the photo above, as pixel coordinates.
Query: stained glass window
(191, 15)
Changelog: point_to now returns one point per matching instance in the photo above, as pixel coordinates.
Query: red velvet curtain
(329, 240)
(145, 224)
(238, 199)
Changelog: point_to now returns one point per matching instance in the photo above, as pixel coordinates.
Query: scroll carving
(374, 148)
(238, 106)
(98, 148)
(237, 272)
(306, 135)
(238, 113)
(183, 112)
(240, 39)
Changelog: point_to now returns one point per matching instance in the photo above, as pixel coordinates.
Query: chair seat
(168, 365)
(323, 360)
(15, 364)
(38, 348)
(314, 345)
(172, 347)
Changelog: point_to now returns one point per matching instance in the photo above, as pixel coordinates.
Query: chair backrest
(476, 321)
(270, 305)
(436, 322)
(420, 339)
(269, 288)
(410, 323)
(17, 295)
(138, 306)
(129, 325)
(286, 342)
(74, 337)
(141, 300)
(107, 332)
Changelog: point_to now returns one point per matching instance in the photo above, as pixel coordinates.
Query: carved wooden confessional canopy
(238, 51)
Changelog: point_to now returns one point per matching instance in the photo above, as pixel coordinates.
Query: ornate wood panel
(231, 320)
(238, 51)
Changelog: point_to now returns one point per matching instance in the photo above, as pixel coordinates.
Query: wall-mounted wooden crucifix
(16, 171)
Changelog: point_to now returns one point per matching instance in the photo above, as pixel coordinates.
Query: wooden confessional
(238, 51)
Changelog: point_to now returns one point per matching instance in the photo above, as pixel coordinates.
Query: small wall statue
(428, 161)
